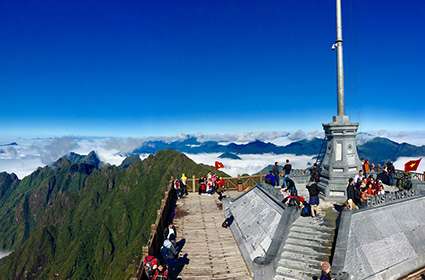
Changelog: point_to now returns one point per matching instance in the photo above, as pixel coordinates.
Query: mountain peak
(74, 158)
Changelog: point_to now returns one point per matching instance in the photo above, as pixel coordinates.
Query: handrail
(163, 218)
(415, 175)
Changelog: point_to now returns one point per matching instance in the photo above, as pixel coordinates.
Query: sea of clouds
(251, 164)
(31, 153)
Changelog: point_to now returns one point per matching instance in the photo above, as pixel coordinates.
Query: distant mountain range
(229, 156)
(9, 144)
(376, 149)
(193, 146)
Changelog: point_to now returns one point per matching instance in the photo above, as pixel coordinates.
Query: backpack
(165, 253)
(306, 211)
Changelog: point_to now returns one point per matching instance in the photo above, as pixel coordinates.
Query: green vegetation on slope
(77, 221)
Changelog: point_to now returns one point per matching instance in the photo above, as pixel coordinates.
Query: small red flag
(412, 165)
(219, 165)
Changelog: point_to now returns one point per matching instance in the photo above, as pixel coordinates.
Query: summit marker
(341, 160)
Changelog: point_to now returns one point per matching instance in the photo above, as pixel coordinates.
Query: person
(287, 168)
(177, 188)
(210, 187)
(275, 172)
(366, 168)
(202, 185)
(270, 179)
(171, 249)
(220, 187)
(150, 264)
(326, 271)
(161, 273)
(358, 176)
(391, 173)
(379, 187)
(370, 191)
(286, 171)
(183, 180)
(313, 192)
(314, 173)
(290, 186)
(373, 170)
(170, 252)
(384, 176)
(171, 229)
(351, 194)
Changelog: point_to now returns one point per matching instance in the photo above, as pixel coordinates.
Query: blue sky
(165, 67)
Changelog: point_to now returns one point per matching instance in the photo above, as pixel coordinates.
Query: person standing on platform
(276, 171)
(314, 173)
(183, 179)
(286, 172)
(313, 192)
(366, 168)
(351, 194)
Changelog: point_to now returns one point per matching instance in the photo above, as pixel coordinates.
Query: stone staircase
(309, 243)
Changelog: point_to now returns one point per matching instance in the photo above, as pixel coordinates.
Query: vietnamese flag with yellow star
(412, 165)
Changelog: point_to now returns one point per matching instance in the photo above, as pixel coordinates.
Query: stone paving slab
(213, 252)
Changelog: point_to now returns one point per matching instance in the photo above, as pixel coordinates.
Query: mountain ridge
(76, 219)
(377, 149)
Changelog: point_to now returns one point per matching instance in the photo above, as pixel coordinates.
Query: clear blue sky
(164, 67)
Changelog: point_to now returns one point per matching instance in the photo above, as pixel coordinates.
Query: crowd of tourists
(289, 190)
(211, 184)
(385, 173)
(369, 182)
(180, 186)
(170, 263)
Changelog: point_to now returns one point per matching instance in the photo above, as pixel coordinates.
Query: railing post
(194, 183)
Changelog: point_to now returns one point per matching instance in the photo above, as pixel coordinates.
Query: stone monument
(341, 160)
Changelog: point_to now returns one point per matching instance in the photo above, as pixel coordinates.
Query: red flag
(412, 165)
(219, 165)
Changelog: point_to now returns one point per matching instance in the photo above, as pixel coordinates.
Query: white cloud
(20, 166)
(31, 153)
(4, 254)
(411, 137)
(250, 163)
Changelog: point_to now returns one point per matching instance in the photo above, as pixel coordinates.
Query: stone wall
(385, 242)
(260, 227)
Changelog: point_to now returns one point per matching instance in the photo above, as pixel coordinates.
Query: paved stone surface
(383, 243)
(213, 252)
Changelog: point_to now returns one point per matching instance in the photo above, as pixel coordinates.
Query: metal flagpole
(340, 60)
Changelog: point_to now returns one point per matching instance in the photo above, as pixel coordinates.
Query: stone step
(281, 277)
(309, 221)
(295, 273)
(301, 256)
(311, 236)
(320, 246)
(306, 250)
(300, 265)
(313, 227)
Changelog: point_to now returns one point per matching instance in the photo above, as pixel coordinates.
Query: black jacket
(313, 190)
(351, 192)
(287, 169)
